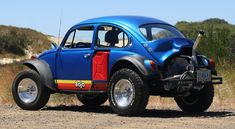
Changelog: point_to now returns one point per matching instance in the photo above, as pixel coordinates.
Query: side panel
(74, 69)
(50, 58)
(73, 65)
(135, 48)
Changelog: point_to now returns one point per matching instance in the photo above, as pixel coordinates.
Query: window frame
(75, 29)
(167, 27)
(111, 25)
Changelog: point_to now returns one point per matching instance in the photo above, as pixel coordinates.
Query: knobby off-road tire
(28, 91)
(92, 100)
(123, 83)
(198, 101)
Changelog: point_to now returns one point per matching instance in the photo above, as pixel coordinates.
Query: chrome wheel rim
(123, 93)
(27, 90)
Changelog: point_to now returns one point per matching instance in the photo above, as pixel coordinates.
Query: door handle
(86, 55)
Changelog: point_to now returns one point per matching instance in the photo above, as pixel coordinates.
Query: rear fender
(44, 71)
(139, 62)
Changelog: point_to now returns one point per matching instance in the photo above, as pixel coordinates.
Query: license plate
(203, 76)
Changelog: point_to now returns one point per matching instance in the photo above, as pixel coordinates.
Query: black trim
(44, 71)
(81, 92)
(138, 62)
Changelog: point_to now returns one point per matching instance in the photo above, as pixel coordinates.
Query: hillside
(218, 43)
(14, 41)
(219, 40)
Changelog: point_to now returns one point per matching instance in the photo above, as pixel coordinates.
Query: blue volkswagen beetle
(123, 59)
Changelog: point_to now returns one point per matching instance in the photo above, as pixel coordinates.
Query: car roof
(129, 21)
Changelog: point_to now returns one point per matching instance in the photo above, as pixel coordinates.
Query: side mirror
(54, 46)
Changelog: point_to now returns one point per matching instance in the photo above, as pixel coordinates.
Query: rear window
(159, 31)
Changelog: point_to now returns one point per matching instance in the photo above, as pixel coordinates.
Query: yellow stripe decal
(73, 81)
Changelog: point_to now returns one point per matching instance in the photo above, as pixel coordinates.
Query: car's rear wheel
(92, 100)
(128, 94)
(198, 101)
(28, 91)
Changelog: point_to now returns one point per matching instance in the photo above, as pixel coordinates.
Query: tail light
(33, 57)
(150, 64)
(211, 63)
(153, 65)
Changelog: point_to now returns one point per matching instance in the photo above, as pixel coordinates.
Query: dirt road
(103, 118)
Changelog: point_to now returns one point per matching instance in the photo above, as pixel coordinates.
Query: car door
(74, 62)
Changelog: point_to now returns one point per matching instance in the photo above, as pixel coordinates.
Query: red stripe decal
(69, 86)
(101, 86)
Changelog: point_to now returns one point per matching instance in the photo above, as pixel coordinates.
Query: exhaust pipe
(196, 43)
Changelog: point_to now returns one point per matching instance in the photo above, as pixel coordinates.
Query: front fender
(44, 71)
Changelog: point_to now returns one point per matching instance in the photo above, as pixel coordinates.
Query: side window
(109, 36)
(69, 40)
(144, 32)
(80, 38)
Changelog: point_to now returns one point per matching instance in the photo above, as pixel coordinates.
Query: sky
(44, 15)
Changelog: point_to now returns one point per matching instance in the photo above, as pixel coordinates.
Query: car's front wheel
(28, 91)
(128, 94)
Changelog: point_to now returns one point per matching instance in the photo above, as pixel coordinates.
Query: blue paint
(70, 64)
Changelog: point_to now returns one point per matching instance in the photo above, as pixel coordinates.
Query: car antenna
(61, 15)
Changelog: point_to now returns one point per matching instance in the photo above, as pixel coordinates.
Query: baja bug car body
(124, 59)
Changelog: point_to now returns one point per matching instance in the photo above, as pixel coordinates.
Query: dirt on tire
(102, 117)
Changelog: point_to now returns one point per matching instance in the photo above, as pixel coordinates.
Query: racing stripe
(73, 81)
(71, 84)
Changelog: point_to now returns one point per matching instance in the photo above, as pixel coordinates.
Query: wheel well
(124, 64)
(43, 69)
(30, 66)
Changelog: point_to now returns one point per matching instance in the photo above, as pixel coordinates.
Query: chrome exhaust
(196, 43)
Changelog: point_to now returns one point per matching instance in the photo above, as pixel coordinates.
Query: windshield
(159, 31)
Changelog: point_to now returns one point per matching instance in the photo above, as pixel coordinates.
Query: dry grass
(62, 99)
(7, 74)
(224, 94)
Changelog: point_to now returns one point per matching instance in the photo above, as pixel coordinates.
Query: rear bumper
(214, 80)
(217, 80)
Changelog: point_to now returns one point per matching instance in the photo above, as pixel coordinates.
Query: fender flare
(44, 71)
(139, 62)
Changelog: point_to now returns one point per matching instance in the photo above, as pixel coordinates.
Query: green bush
(218, 42)
(15, 40)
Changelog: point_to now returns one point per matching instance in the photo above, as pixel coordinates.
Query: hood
(162, 49)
